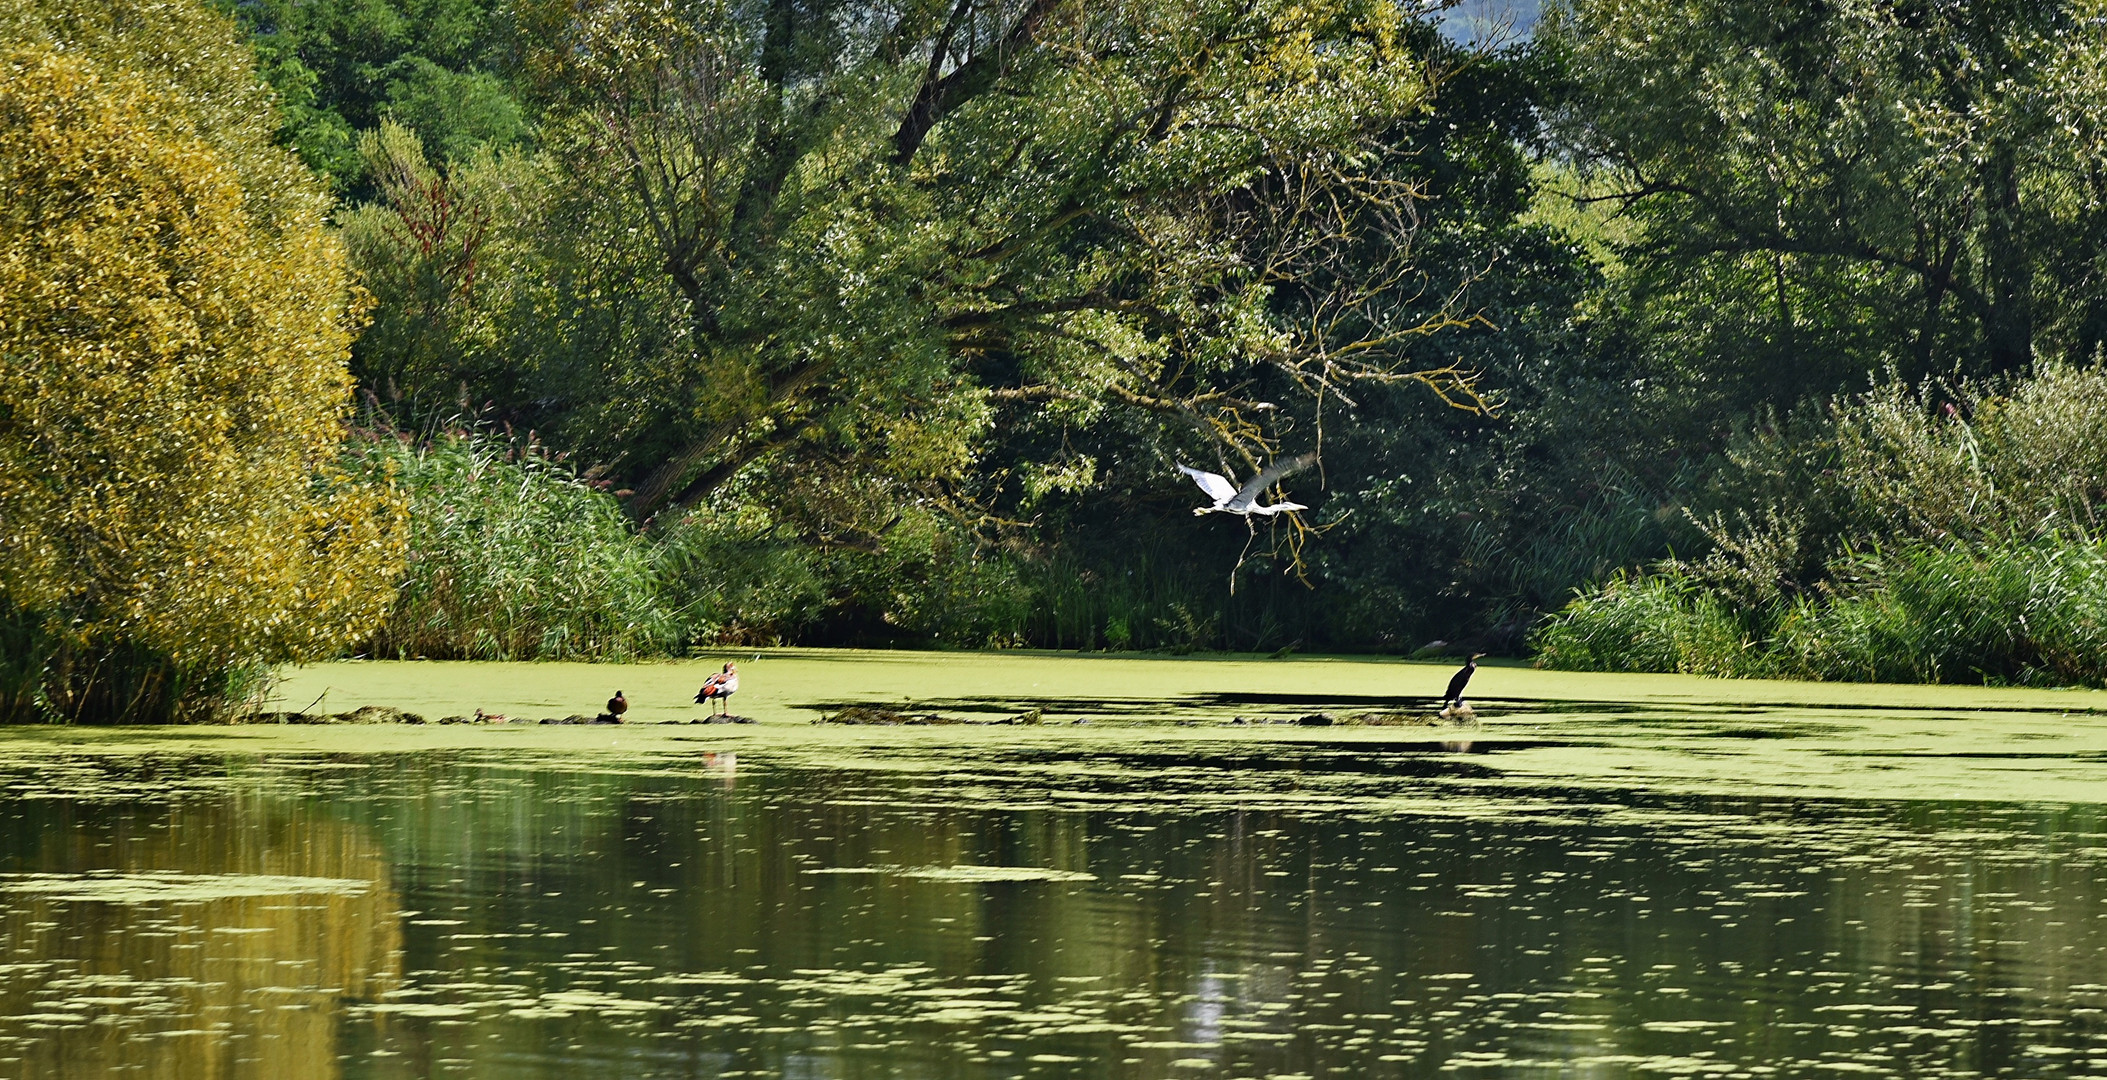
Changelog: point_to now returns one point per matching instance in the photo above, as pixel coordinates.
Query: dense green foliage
(1828, 192)
(1420, 501)
(341, 67)
(516, 556)
(174, 325)
(1899, 197)
(825, 242)
(789, 274)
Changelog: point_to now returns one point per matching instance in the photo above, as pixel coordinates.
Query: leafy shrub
(175, 320)
(944, 585)
(1793, 499)
(1149, 594)
(740, 577)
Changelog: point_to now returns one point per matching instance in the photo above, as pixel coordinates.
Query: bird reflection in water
(724, 765)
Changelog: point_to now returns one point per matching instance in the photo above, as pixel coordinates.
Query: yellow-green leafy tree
(175, 321)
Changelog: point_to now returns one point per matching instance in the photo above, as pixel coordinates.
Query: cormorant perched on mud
(617, 705)
(1462, 678)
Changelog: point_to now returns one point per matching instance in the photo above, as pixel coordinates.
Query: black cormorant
(1462, 678)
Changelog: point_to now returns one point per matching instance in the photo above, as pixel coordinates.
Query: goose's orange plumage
(720, 687)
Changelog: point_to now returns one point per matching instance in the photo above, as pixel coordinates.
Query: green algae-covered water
(1598, 877)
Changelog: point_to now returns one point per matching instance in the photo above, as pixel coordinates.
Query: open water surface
(1144, 904)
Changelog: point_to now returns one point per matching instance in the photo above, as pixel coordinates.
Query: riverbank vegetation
(1724, 339)
(1898, 536)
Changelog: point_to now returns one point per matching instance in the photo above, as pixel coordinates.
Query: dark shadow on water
(1288, 707)
(1977, 755)
(1437, 757)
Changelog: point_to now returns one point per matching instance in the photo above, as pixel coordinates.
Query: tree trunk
(2008, 327)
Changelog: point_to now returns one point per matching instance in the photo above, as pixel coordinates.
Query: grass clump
(1647, 622)
(2019, 612)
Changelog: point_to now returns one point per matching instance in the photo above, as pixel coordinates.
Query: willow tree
(174, 323)
(852, 231)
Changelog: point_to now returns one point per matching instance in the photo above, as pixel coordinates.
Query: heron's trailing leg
(1242, 555)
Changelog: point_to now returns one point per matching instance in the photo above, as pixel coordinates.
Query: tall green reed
(512, 557)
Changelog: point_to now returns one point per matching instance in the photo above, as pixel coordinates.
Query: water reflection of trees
(1265, 939)
(234, 978)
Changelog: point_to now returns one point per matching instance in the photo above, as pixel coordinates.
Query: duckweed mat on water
(1599, 877)
(116, 887)
(800, 685)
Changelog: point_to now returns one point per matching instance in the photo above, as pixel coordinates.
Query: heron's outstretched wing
(1215, 485)
(1266, 478)
(1276, 508)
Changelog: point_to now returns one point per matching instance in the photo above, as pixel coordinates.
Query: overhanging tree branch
(940, 95)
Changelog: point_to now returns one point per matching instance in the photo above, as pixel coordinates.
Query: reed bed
(513, 557)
